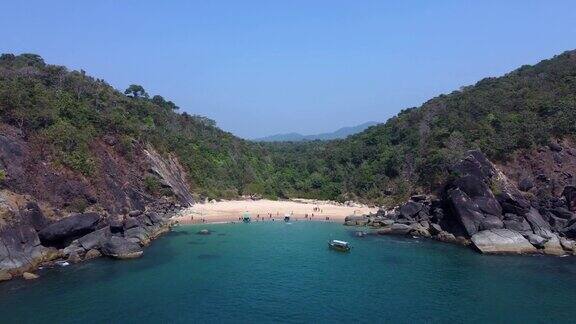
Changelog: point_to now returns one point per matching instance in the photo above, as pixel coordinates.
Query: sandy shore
(268, 210)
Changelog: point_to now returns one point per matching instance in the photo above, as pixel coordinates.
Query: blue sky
(266, 67)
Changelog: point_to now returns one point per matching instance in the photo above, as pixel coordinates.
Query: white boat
(338, 245)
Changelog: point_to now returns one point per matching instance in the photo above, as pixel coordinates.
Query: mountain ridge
(340, 133)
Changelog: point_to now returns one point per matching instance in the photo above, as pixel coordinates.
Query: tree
(136, 91)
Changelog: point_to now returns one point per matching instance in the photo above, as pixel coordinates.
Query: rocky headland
(37, 228)
(482, 207)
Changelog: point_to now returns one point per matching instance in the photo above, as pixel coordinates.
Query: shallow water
(271, 272)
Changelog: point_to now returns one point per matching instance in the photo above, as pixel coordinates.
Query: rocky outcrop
(469, 211)
(498, 241)
(171, 174)
(121, 248)
(69, 228)
(20, 249)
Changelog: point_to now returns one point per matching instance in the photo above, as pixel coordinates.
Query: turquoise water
(276, 272)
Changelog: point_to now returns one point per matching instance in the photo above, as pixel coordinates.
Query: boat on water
(337, 245)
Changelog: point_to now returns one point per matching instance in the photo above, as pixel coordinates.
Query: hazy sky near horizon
(265, 67)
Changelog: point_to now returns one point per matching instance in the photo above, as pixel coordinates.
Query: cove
(278, 272)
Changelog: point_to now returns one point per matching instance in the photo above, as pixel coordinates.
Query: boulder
(20, 248)
(116, 225)
(536, 240)
(491, 222)
(121, 248)
(139, 233)
(525, 184)
(33, 216)
(435, 229)
(354, 220)
(446, 237)
(95, 239)
(410, 209)
(75, 247)
(475, 163)
(5, 275)
(69, 228)
(501, 241)
(418, 229)
(473, 186)
(467, 213)
(488, 205)
(74, 257)
(30, 276)
(130, 222)
(92, 254)
(567, 244)
(553, 247)
(400, 229)
(537, 223)
(519, 225)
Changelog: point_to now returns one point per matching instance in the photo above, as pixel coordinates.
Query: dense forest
(67, 110)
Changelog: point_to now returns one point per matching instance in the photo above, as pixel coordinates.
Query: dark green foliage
(137, 91)
(384, 164)
(413, 151)
(152, 184)
(68, 111)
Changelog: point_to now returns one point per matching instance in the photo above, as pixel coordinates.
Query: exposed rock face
(509, 222)
(69, 228)
(501, 241)
(20, 248)
(171, 174)
(121, 248)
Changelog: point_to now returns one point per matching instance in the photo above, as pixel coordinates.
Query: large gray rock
(95, 239)
(410, 209)
(538, 224)
(69, 228)
(121, 248)
(467, 213)
(138, 233)
(20, 248)
(491, 222)
(496, 241)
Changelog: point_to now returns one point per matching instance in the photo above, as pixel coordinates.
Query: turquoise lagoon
(278, 272)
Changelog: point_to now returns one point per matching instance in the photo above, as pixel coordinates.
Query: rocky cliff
(524, 206)
(50, 213)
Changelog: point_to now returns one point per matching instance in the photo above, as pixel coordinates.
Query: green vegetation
(411, 152)
(66, 112)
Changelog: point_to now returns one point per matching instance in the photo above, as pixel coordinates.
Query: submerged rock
(501, 241)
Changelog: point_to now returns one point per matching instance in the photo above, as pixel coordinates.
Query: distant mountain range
(338, 134)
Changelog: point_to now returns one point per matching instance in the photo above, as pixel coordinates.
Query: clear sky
(265, 67)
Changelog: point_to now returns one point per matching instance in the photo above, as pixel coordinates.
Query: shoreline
(270, 211)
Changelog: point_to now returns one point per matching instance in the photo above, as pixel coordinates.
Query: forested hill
(66, 114)
(413, 151)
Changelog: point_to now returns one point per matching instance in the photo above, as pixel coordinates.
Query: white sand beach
(268, 210)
